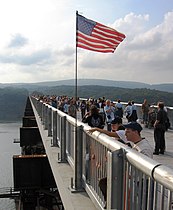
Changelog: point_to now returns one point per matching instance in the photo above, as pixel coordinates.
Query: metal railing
(134, 181)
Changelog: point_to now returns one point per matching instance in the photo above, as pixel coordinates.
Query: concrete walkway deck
(167, 158)
(63, 172)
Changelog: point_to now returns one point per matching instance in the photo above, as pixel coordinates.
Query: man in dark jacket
(159, 129)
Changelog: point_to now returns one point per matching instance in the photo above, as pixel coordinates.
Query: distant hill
(168, 87)
(12, 103)
(113, 93)
(100, 82)
(13, 96)
(163, 87)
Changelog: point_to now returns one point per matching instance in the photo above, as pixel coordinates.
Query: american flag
(94, 36)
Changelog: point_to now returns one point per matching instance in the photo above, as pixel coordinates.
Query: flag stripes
(94, 36)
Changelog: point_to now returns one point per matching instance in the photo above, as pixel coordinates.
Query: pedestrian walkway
(167, 158)
(70, 168)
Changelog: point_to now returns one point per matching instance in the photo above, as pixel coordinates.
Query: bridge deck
(63, 172)
(167, 158)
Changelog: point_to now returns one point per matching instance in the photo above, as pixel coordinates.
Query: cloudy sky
(37, 40)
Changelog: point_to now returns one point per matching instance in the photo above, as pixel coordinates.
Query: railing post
(58, 128)
(54, 143)
(39, 105)
(63, 155)
(115, 180)
(45, 117)
(78, 155)
(49, 119)
(42, 112)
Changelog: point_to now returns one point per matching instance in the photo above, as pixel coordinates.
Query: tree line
(113, 93)
(13, 100)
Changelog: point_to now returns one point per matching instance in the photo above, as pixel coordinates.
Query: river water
(8, 132)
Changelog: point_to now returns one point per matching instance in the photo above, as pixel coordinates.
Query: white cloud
(144, 56)
(132, 24)
(38, 44)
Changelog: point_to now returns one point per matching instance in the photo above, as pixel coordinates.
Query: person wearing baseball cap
(133, 134)
(117, 130)
(134, 126)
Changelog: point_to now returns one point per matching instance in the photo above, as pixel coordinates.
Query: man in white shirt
(132, 132)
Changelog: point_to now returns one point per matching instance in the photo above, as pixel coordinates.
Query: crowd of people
(103, 113)
(130, 133)
(107, 117)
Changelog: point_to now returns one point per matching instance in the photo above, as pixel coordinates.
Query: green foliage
(13, 100)
(113, 93)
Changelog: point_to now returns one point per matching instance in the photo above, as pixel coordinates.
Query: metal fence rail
(8, 192)
(134, 181)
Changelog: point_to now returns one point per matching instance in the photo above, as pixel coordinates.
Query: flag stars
(84, 26)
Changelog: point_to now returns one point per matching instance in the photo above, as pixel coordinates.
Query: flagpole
(76, 75)
(75, 127)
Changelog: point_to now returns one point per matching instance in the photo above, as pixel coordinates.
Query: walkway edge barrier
(129, 173)
(115, 179)
(63, 154)
(78, 155)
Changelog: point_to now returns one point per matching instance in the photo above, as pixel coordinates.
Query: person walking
(83, 108)
(119, 109)
(128, 111)
(134, 115)
(72, 108)
(110, 114)
(145, 110)
(159, 129)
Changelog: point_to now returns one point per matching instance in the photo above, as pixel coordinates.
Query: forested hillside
(113, 93)
(13, 100)
(12, 103)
